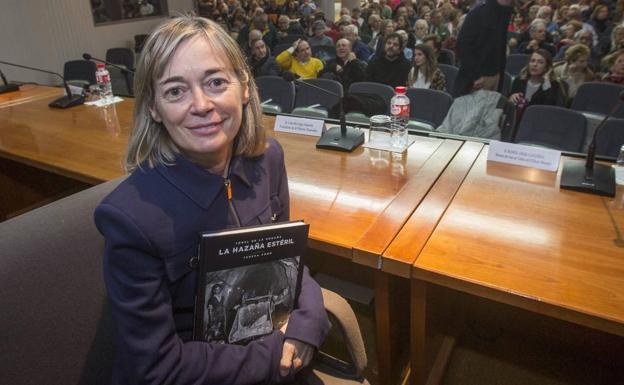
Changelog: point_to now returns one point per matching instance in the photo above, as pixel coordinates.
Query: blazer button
(193, 262)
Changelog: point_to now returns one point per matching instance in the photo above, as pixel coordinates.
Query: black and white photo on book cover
(249, 281)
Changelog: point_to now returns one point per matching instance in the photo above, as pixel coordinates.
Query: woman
(425, 72)
(574, 71)
(199, 161)
(535, 84)
(298, 60)
(615, 63)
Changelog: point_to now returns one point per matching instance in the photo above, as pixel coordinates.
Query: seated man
(392, 67)
(345, 68)
(298, 60)
(537, 31)
(286, 27)
(361, 50)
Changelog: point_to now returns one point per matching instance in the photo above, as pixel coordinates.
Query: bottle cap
(400, 89)
(100, 65)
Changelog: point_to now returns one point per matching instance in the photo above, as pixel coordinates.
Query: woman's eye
(173, 93)
(217, 83)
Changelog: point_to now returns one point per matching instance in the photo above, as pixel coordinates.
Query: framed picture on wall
(112, 11)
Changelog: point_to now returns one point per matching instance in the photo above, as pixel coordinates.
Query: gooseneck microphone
(587, 176)
(6, 87)
(66, 101)
(86, 56)
(344, 138)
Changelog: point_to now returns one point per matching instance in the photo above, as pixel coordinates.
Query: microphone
(66, 101)
(86, 56)
(586, 176)
(7, 87)
(343, 138)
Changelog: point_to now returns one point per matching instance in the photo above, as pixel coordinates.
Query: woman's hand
(295, 356)
(516, 98)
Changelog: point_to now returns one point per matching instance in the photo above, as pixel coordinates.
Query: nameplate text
(526, 156)
(295, 125)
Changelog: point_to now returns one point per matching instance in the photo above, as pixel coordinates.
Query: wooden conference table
(355, 203)
(512, 236)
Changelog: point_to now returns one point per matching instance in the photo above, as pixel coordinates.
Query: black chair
(515, 63)
(553, 127)
(450, 73)
(276, 91)
(598, 97)
(507, 82)
(309, 97)
(428, 106)
(80, 72)
(446, 56)
(508, 119)
(383, 90)
(610, 138)
(324, 52)
(121, 81)
(121, 56)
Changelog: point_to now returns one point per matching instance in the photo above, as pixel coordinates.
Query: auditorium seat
(305, 97)
(515, 63)
(275, 91)
(610, 138)
(79, 72)
(428, 108)
(554, 127)
(598, 98)
(383, 90)
(121, 56)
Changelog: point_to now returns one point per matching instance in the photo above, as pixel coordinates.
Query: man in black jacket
(345, 68)
(391, 68)
(481, 47)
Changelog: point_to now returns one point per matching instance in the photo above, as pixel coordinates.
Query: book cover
(248, 281)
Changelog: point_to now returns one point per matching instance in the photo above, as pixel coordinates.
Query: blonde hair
(149, 140)
(576, 51)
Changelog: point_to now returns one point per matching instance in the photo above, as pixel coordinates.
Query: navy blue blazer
(151, 224)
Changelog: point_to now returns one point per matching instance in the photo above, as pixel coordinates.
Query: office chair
(446, 56)
(553, 127)
(383, 90)
(139, 40)
(121, 81)
(450, 74)
(428, 108)
(80, 72)
(277, 95)
(316, 103)
(121, 56)
(515, 63)
(598, 98)
(610, 138)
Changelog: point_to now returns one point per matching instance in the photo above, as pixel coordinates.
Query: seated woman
(261, 62)
(425, 72)
(535, 84)
(298, 60)
(615, 63)
(198, 160)
(574, 71)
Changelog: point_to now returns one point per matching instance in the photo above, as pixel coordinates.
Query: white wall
(47, 33)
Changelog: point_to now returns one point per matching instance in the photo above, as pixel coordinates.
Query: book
(248, 281)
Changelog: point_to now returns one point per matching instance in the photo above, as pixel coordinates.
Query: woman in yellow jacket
(298, 60)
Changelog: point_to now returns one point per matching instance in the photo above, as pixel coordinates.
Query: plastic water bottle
(620, 159)
(102, 76)
(619, 167)
(400, 111)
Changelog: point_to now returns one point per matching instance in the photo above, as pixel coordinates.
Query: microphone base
(8, 88)
(333, 140)
(67, 101)
(573, 178)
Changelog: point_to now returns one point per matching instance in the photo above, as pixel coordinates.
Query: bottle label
(401, 110)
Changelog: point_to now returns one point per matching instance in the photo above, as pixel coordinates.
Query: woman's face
(618, 66)
(580, 63)
(619, 36)
(603, 13)
(537, 65)
(389, 28)
(419, 57)
(200, 102)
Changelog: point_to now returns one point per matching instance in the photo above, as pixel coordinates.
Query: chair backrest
(139, 40)
(516, 62)
(278, 89)
(554, 127)
(507, 81)
(56, 325)
(508, 120)
(385, 91)
(598, 97)
(307, 96)
(446, 56)
(450, 73)
(121, 56)
(121, 81)
(279, 48)
(610, 138)
(429, 106)
(324, 52)
(80, 70)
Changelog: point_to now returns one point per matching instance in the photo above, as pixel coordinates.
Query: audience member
(287, 27)
(481, 47)
(319, 37)
(575, 70)
(437, 26)
(536, 83)
(425, 72)
(420, 31)
(298, 60)
(615, 63)
(261, 62)
(443, 57)
(372, 29)
(346, 67)
(361, 50)
(537, 32)
(392, 67)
